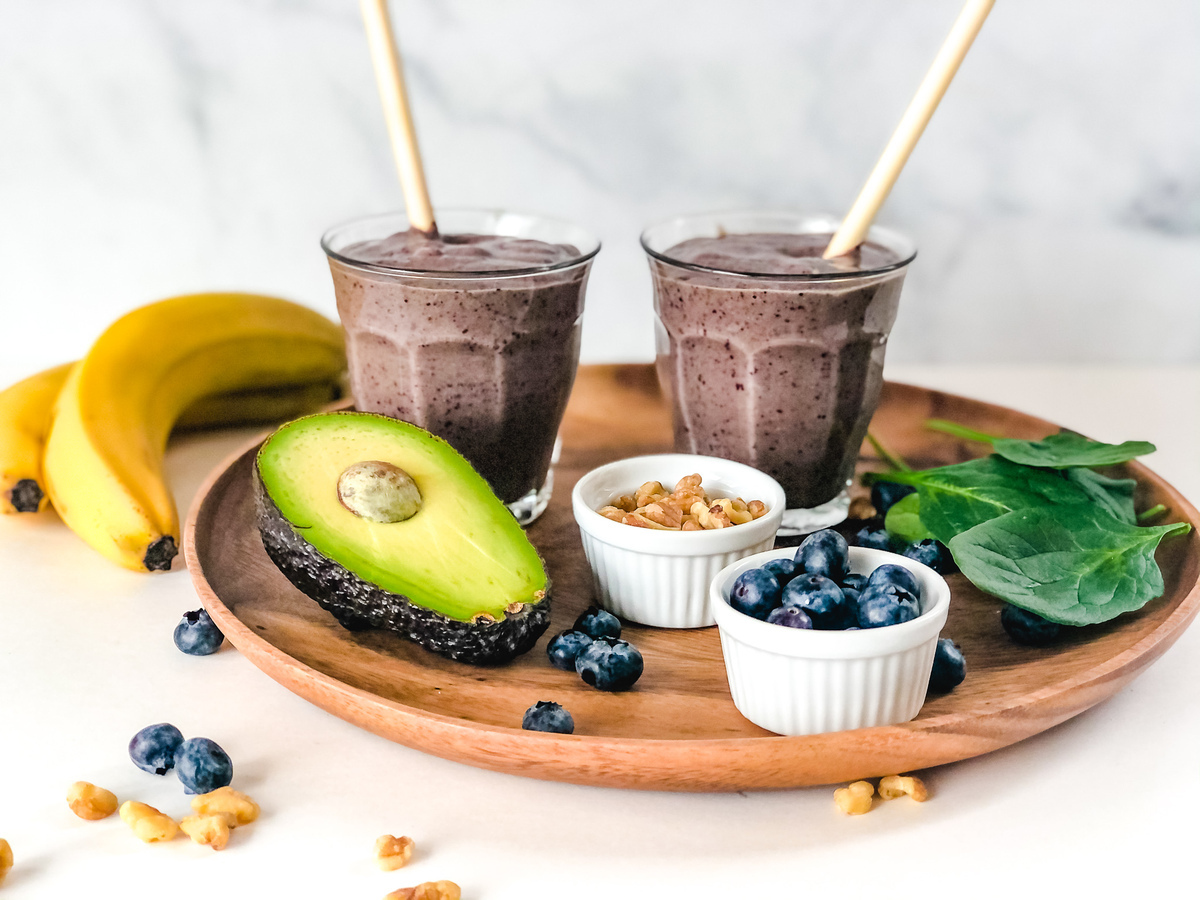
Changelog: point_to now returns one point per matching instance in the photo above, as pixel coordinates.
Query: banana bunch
(90, 437)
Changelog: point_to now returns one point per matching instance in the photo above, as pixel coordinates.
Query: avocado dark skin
(357, 604)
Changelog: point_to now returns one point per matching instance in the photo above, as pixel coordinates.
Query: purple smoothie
(773, 356)
(474, 337)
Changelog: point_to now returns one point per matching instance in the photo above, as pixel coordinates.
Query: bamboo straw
(854, 227)
(389, 74)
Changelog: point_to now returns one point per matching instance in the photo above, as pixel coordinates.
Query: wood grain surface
(678, 728)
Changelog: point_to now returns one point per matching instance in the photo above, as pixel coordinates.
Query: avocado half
(459, 576)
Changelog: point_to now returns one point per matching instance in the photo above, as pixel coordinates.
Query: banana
(259, 406)
(26, 407)
(103, 460)
(24, 423)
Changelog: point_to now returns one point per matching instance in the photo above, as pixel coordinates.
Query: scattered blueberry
(755, 593)
(784, 570)
(949, 667)
(823, 600)
(932, 553)
(609, 664)
(878, 607)
(548, 716)
(877, 539)
(890, 573)
(824, 553)
(598, 623)
(153, 748)
(202, 766)
(854, 581)
(1028, 628)
(197, 635)
(884, 495)
(790, 617)
(563, 649)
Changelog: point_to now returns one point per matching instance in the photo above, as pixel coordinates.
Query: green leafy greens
(904, 520)
(1034, 525)
(1058, 451)
(1075, 564)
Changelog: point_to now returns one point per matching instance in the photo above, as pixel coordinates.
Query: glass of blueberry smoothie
(771, 355)
(472, 334)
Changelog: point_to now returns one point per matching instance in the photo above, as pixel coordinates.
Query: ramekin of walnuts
(654, 549)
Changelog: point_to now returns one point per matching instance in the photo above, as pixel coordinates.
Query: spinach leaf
(956, 498)
(1113, 494)
(903, 520)
(1058, 451)
(1074, 564)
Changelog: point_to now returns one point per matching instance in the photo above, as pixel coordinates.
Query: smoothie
(474, 337)
(773, 356)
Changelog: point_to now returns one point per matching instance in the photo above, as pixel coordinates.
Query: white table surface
(1104, 805)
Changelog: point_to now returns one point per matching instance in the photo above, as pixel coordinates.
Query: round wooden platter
(678, 728)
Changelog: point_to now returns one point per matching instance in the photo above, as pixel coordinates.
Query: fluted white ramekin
(795, 681)
(658, 577)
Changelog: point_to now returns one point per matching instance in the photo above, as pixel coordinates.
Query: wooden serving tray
(678, 728)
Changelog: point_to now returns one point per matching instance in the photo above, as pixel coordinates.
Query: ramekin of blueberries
(829, 637)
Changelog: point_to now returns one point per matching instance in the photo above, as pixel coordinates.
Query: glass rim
(888, 235)
(444, 274)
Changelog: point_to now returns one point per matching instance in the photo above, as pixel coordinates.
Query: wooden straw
(389, 74)
(854, 227)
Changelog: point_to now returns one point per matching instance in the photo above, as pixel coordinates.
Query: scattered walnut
(854, 799)
(393, 852)
(861, 508)
(893, 786)
(428, 890)
(90, 802)
(211, 831)
(227, 801)
(147, 822)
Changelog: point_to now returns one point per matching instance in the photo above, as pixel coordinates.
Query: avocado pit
(379, 492)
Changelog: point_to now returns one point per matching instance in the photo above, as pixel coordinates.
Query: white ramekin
(795, 681)
(662, 578)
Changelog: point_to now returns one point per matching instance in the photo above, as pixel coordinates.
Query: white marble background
(151, 147)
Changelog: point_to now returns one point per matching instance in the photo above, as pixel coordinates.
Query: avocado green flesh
(462, 554)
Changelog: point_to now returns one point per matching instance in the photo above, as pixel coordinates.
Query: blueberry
(547, 716)
(202, 766)
(949, 667)
(197, 635)
(598, 623)
(824, 553)
(854, 581)
(1028, 628)
(823, 600)
(932, 553)
(153, 748)
(879, 607)
(609, 664)
(790, 617)
(852, 596)
(563, 649)
(884, 495)
(877, 539)
(755, 593)
(784, 570)
(889, 573)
